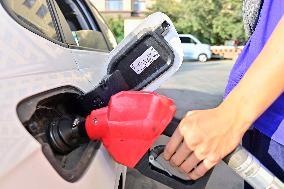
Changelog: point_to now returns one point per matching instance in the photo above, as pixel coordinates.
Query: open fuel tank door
(149, 55)
(145, 59)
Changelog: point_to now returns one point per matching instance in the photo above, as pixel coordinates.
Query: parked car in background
(51, 52)
(193, 49)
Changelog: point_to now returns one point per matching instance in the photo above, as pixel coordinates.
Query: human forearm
(262, 84)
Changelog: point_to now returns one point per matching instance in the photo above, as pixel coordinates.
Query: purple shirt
(271, 122)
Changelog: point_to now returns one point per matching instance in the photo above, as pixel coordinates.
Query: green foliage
(212, 21)
(116, 25)
(229, 23)
(170, 7)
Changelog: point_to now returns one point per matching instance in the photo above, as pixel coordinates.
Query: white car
(52, 51)
(193, 49)
(45, 62)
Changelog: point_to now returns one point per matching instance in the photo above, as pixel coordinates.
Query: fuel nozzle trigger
(154, 154)
(156, 159)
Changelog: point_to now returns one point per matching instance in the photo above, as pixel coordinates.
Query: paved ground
(194, 86)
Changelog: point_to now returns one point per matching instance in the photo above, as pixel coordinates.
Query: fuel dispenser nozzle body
(130, 124)
(127, 127)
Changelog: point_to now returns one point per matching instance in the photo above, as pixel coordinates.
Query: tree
(201, 15)
(172, 8)
(229, 23)
(116, 25)
(212, 21)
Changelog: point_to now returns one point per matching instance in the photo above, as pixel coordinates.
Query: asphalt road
(194, 86)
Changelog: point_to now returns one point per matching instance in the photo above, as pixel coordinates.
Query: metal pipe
(251, 170)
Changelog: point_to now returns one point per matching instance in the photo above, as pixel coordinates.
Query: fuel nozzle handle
(170, 129)
(243, 163)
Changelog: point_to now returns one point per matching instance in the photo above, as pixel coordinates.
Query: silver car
(193, 49)
(46, 62)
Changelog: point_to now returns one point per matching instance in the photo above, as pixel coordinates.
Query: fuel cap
(65, 134)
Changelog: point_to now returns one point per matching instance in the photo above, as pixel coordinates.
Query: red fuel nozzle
(130, 124)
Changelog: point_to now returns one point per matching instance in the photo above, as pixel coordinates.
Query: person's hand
(204, 138)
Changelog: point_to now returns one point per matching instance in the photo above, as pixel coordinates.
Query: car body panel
(35, 172)
(93, 69)
(31, 64)
(193, 50)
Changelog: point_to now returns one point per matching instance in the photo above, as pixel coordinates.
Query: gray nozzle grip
(237, 157)
(251, 170)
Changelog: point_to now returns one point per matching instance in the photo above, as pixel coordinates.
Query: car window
(186, 40)
(82, 24)
(111, 41)
(34, 13)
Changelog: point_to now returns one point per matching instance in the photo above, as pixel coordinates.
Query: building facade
(132, 11)
(125, 8)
